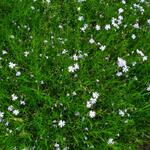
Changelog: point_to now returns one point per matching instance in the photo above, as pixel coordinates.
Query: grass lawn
(74, 74)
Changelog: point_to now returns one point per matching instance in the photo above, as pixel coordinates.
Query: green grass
(52, 93)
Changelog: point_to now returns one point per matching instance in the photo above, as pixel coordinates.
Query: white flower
(133, 36)
(4, 52)
(120, 10)
(26, 53)
(120, 18)
(1, 114)
(14, 97)
(18, 73)
(140, 52)
(71, 69)
(102, 48)
(136, 25)
(84, 27)
(61, 123)
(119, 74)
(22, 102)
(64, 51)
(75, 57)
(74, 93)
(125, 69)
(76, 66)
(148, 21)
(121, 62)
(57, 145)
(12, 65)
(10, 108)
(48, 1)
(107, 27)
(16, 112)
(97, 27)
(92, 114)
(80, 18)
(145, 58)
(81, 1)
(93, 100)
(91, 41)
(123, 2)
(148, 88)
(88, 104)
(110, 141)
(95, 95)
(121, 113)
(142, 1)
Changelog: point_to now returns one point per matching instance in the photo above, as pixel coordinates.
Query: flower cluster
(122, 64)
(91, 102)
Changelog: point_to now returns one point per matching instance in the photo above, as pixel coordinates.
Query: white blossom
(110, 141)
(14, 97)
(12, 65)
(16, 112)
(61, 123)
(92, 114)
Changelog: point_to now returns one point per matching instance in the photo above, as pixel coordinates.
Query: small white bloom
(18, 73)
(10, 108)
(121, 62)
(57, 145)
(119, 74)
(88, 104)
(148, 88)
(120, 10)
(97, 27)
(140, 52)
(80, 18)
(45, 41)
(91, 41)
(93, 100)
(75, 57)
(74, 93)
(76, 66)
(22, 103)
(92, 114)
(133, 36)
(61, 123)
(123, 2)
(107, 27)
(136, 25)
(110, 141)
(32, 7)
(148, 21)
(14, 97)
(64, 51)
(145, 58)
(48, 1)
(125, 69)
(12, 65)
(102, 48)
(121, 113)
(26, 53)
(95, 95)
(120, 17)
(71, 69)
(16, 112)
(1, 114)
(4, 52)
